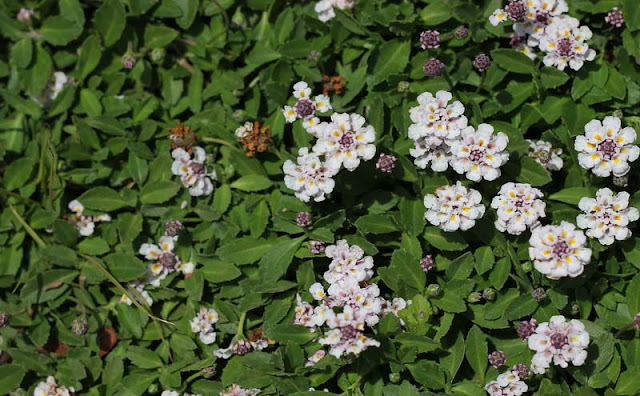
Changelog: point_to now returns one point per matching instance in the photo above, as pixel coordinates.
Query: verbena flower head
(526, 328)
(435, 119)
(607, 217)
(454, 207)
(306, 106)
(519, 206)
(565, 44)
(193, 171)
(433, 67)
(309, 177)
(203, 323)
(427, 263)
(482, 63)
(559, 341)
(51, 388)
(497, 359)
(85, 224)
(345, 141)
(386, 163)
(430, 39)
(324, 8)
(480, 153)
(558, 251)
(615, 17)
(303, 219)
(606, 148)
(544, 154)
(507, 384)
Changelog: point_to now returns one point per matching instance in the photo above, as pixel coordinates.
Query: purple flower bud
(430, 39)
(461, 33)
(539, 294)
(241, 347)
(636, 321)
(522, 370)
(497, 359)
(482, 63)
(314, 56)
(621, 181)
(316, 247)
(24, 15)
(427, 263)
(209, 371)
(433, 68)
(4, 319)
(128, 61)
(79, 327)
(615, 17)
(172, 228)
(516, 40)
(516, 10)
(526, 328)
(303, 219)
(386, 163)
(304, 108)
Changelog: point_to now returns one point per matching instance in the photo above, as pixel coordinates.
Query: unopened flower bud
(526, 328)
(427, 263)
(433, 68)
(474, 297)
(461, 33)
(522, 370)
(303, 219)
(316, 247)
(157, 55)
(4, 319)
(172, 228)
(386, 163)
(79, 327)
(497, 359)
(527, 267)
(539, 294)
(489, 294)
(482, 63)
(24, 15)
(395, 377)
(128, 61)
(209, 372)
(615, 17)
(575, 309)
(403, 86)
(430, 39)
(314, 56)
(434, 290)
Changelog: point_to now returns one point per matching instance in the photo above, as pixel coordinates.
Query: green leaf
(533, 173)
(552, 77)
(217, 271)
(284, 333)
(522, 306)
(159, 36)
(275, 263)
(428, 374)
(484, 259)
(629, 382)
(138, 168)
(633, 294)
(58, 30)
(245, 250)
(513, 61)
(375, 224)
(158, 192)
(477, 351)
(143, 358)
(90, 103)
(252, 183)
(110, 20)
(406, 270)
(11, 376)
(21, 53)
(102, 198)
(616, 85)
(436, 13)
(412, 216)
(90, 54)
(392, 59)
(631, 15)
(93, 246)
(447, 241)
(124, 266)
(17, 173)
(572, 195)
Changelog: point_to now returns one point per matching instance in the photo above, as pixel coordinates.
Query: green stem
(240, 329)
(27, 228)
(625, 328)
(218, 141)
(194, 376)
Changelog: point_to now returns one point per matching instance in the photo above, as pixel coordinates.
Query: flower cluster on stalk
(559, 341)
(345, 141)
(192, 171)
(607, 217)
(507, 384)
(519, 206)
(454, 207)
(349, 305)
(85, 224)
(545, 24)
(558, 251)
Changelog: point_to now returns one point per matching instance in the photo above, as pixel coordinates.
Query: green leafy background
(214, 65)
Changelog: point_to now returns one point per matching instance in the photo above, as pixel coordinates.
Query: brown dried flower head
(256, 140)
(333, 84)
(182, 137)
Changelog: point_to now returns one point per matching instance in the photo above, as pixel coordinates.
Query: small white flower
(345, 141)
(436, 155)
(301, 90)
(150, 251)
(76, 207)
(454, 207)
(508, 383)
(315, 358)
(544, 154)
(310, 177)
(186, 268)
(85, 226)
(519, 207)
(607, 217)
(244, 129)
(203, 323)
(170, 393)
(606, 148)
(435, 119)
(498, 17)
(480, 153)
(559, 342)
(235, 390)
(559, 250)
(192, 171)
(317, 291)
(51, 388)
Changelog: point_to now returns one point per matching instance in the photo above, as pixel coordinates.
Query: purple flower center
(346, 141)
(542, 17)
(197, 168)
(168, 261)
(305, 108)
(607, 149)
(476, 154)
(558, 340)
(560, 248)
(516, 10)
(565, 47)
(348, 333)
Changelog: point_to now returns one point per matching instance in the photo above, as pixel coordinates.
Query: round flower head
(430, 39)
(519, 207)
(606, 148)
(309, 178)
(435, 119)
(482, 63)
(306, 106)
(192, 171)
(544, 154)
(345, 141)
(558, 251)
(437, 155)
(564, 44)
(454, 207)
(480, 153)
(615, 17)
(507, 384)
(559, 342)
(607, 217)
(433, 68)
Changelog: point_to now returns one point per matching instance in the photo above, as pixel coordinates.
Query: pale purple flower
(386, 163)
(430, 39)
(482, 63)
(303, 219)
(615, 17)
(526, 328)
(497, 359)
(433, 67)
(427, 263)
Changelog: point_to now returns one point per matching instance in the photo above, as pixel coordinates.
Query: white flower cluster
(325, 11)
(606, 148)
(545, 24)
(607, 217)
(203, 324)
(519, 207)
(164, 260)
(558, 251)
(360, 303)
(507, 384)
(192, 171)
(305, 108)
(174, 393)
(55, 85)
(559, 342)
(544, 154)
(454, 207)
(443, 138)
(85, 224)
(235, 390)
(344, 141)
(51, 388)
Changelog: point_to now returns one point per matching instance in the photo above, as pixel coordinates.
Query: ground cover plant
(348, 197)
